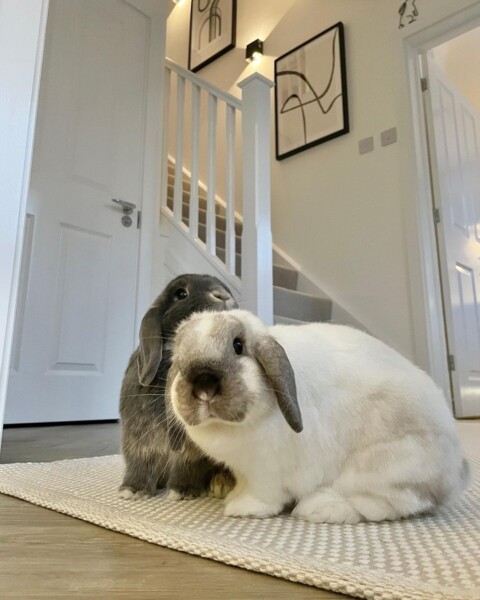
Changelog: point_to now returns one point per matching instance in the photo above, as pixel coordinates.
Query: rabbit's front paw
(185, 493)
(326, 506)
(221, 484)
(128, 493)
(245, 505)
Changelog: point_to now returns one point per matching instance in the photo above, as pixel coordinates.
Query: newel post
(257, 278)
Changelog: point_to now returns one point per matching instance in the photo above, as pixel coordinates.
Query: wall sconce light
(179, 2)
(254, 51)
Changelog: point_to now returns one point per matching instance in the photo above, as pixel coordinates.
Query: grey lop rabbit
(150, 464)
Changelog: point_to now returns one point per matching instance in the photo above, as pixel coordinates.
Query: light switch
(389, 136)
(365, 145)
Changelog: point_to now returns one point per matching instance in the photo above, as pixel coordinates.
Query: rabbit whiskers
(158, 421)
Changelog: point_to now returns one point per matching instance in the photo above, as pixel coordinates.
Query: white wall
(338, 214)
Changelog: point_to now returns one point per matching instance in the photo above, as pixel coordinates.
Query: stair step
(221, 222)
(202, 201)
(238, 260)
(279, 320)
(185, 183)
(284, 277)
(220, 238)
(202, 197)
(300, 306)
(202, 205)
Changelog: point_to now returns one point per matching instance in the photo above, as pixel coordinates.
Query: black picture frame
(212, 31)
(311, 98)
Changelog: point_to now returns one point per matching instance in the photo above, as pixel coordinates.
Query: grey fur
(150, 463)
(218, 359)
(279, 371)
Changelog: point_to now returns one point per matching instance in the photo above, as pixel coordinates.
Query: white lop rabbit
(321, 417)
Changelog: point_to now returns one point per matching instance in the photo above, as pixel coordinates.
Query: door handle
(127, 207)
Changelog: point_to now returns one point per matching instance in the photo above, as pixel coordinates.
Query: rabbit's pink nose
(205, 386)
(221, 295)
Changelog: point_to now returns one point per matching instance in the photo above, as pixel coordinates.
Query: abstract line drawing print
(294, 101)
(212, 21)
(311, 93)
(212, 31)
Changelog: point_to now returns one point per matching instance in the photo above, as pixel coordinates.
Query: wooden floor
(44, 554)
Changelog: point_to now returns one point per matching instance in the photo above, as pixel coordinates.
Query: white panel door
(74, 326)
(455, 129)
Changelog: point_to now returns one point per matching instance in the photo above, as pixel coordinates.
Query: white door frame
(27, 22)
(153, 145)
(429, 325)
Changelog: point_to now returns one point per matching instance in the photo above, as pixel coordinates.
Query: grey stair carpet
(285, 277)
(279, 320)
(299, 306)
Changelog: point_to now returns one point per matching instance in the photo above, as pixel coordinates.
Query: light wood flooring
(44, 554)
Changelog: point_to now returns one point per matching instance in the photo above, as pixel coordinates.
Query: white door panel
(75, 328)
(455, 129)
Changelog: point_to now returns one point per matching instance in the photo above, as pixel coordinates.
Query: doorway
(451, 111)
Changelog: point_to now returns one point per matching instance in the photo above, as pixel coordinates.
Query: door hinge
(139, 219)
(451, 362)
(436, 216)
(423, 84)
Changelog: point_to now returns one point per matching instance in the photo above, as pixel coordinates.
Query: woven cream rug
(435, 557)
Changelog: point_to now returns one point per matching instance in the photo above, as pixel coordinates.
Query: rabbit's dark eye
(180, 294)
(238, 346)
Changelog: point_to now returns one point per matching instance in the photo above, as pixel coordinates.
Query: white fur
(173, 495)
(127, 494)
(378, 441)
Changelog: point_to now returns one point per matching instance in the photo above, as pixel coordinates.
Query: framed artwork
(212, 31)
(311, 104)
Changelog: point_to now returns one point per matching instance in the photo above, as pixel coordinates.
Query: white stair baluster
(257, 278)
(178, 191)
(166, 111)
(193, 214)
(230, 239)
(255, 289)
(212, 164)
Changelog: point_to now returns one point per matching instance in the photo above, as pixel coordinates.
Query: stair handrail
(202, 83)
(256, 255)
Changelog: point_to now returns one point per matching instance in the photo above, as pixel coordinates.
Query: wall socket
(365, 145)
(389, 136)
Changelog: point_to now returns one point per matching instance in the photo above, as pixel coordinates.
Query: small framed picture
(212, 31)
(311, 104)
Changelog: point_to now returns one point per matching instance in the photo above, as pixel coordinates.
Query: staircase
(202, 231)
(290, 305)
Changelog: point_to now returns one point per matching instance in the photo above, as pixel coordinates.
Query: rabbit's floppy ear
(175, 429)
(151, 345)
(279, 371)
